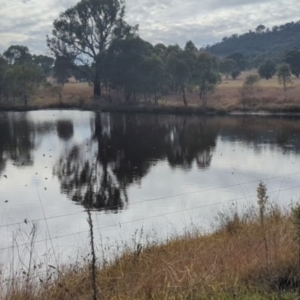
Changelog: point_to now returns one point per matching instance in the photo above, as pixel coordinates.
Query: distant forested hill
(261, 41)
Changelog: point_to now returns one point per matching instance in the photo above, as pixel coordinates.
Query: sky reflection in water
(161, 173)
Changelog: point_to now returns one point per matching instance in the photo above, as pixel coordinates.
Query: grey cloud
(206, 22)
(169, 21)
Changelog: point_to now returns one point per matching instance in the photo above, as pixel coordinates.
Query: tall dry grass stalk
(262, 200)
(33, 234)
(93, 253)
(296, 215)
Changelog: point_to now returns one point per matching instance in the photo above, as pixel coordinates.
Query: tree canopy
(83, 33)
(207, 75)
(227, 66)
(267, 69)
(292, 58)
(284, 75)
(275, 40)
(21, 73)
(17, 54)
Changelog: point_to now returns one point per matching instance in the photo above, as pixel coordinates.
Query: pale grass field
(72, 93)
(268, 95)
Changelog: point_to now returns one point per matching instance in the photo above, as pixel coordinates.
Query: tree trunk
(127, 96)
(284, 85)
(96, 80)
(25, 100)
(109, 95)
(118, 94)
(184, 96)
(60, 97)
(97, 88)
(204, 100)
(202, 96)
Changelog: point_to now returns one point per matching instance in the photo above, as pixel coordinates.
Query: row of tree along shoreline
(91, 42)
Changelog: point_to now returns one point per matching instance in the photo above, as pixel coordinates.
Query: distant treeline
(260, 43)
(92, 42)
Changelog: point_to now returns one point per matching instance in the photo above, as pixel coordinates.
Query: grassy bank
(269, 96)
(251, 256)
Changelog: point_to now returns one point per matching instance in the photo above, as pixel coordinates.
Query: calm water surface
(156, 173)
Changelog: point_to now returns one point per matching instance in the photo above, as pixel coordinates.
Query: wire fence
(47, 274)
(97, 229)
(211, 189)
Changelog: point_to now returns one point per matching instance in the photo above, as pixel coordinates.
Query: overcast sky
(27, 22)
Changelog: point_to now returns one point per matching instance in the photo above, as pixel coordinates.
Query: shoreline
(177, 110)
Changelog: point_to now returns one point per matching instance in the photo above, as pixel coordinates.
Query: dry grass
(268, 96)
(228, 264)
(71, 94)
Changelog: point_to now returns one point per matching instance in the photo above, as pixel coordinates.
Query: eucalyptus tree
(20, 76)
(240, 60)
(190, 46)
(126, 59)
(180, 74)
(227, 66)
(284, 75)
(292, 58)
(44, 62)
(235, 73)
(3, 69)
(17, 54)
(23, 81)
(80, 73)
(154, 75)
(62, 70)
(83, 33)
(180, 66)
(267, 69)
(172, 49)
(160, 50)
(206, 76)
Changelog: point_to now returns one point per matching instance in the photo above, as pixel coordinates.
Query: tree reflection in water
(89, 183)
(65, 129)
(16, 140)
(191, 141)
(124, 147)
(122, 150)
